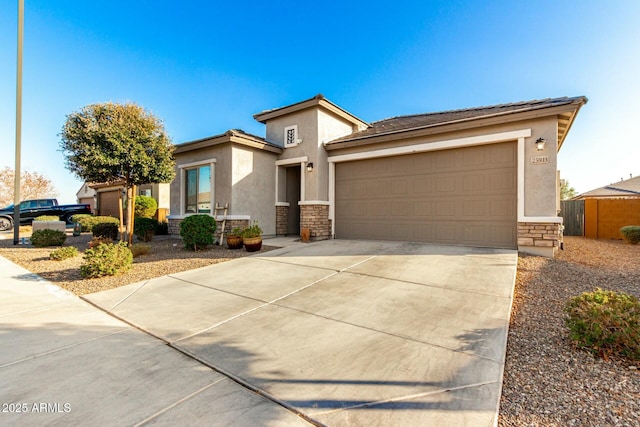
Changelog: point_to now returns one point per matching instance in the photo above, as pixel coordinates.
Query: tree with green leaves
(122, 143)
(566, 191)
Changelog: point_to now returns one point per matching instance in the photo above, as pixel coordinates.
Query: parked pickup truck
(30, 209)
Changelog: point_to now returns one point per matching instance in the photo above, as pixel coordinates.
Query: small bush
(78, 217)
(162, 228)
(605, 323)
(89, 221)
(253, 230)
(106, 260)
(106, 229)
(197, 231)
(631, 234)
(144, 228)
(146, 207)
(47, 218)
(99, 240)
(61, 254)
(139, 249)
(43, 238)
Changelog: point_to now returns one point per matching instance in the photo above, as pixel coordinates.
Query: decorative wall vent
(291, 136)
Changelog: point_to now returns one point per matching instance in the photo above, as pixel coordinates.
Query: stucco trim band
(313, 202)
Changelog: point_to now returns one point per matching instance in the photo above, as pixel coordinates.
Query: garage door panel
(461, 196)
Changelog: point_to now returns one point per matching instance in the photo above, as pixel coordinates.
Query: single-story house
(109, 195)
(483, 176)
(623, 189)
(87, 196)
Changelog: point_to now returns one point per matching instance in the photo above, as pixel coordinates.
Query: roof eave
(318, 100)
(229, 136)
(461, 124)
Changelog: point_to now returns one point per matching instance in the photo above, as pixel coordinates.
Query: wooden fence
(572, 212)
(603, 218)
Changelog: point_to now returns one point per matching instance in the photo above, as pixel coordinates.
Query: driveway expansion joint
(178, 402)
(66, 347)
(407, 397)
(248, 385)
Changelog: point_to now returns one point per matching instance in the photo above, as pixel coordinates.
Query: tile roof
(628, 187)
(418, 121)
(239, 133)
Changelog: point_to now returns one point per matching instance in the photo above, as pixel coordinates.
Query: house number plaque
(539, 160)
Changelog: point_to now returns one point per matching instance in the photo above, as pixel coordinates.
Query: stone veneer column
(540, 238)
(316, 219)
(282, 219)
(174, 226)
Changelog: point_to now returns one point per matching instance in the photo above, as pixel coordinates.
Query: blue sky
(205, 67)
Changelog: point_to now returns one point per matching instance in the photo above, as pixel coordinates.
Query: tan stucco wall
(253, 186)
(539, 180)
(315, 126)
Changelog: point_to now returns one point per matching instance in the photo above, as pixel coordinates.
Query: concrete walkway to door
(344, 332)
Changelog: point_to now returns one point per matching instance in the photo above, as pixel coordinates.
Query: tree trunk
(131, 205)
(122, 225)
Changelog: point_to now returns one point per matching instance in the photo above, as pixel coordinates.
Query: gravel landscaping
(166, 256)
(547, 382)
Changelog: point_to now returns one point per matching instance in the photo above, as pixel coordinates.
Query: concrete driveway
(344, 332)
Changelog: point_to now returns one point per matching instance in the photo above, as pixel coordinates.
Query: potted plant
(252, 237)
(234, 238)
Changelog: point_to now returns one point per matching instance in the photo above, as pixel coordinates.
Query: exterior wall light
(540, 144)
(310, 167)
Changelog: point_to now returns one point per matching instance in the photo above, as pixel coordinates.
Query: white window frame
(296, 140)
(183, 183)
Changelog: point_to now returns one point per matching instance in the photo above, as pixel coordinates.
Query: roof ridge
(484, 107)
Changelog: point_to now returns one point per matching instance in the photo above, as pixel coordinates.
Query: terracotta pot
(234, 242)
(252, 244)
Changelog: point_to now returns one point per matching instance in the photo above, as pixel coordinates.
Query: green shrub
(605, 323)
(99, 240)
(146, 207)
(162, 228)
(43, 238)
(253, 230)
(139, 249)
(106, 260)
(78, 217)
(144, 228)
(197, 231)
(88, 222)
(631, 234)
(106, 229)
(63, 253)
(236, 231)
(47, 218)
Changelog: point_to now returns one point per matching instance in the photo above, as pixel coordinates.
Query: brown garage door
(108, 203)
(463, 196)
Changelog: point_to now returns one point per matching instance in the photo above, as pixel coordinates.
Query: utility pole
(17, 171)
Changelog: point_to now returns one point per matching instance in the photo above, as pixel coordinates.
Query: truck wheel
(5, 224)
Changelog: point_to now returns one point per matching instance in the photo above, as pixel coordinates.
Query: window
(198, 189)
(291, 136)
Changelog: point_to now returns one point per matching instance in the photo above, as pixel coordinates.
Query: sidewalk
(63, 361)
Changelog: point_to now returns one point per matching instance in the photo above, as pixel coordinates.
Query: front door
(293, 197)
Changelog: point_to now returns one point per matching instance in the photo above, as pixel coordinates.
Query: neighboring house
(108, 196)
(472, 177)
(87, 196)
(624, 189)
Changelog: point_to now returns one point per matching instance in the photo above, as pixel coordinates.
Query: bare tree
(32, 186)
